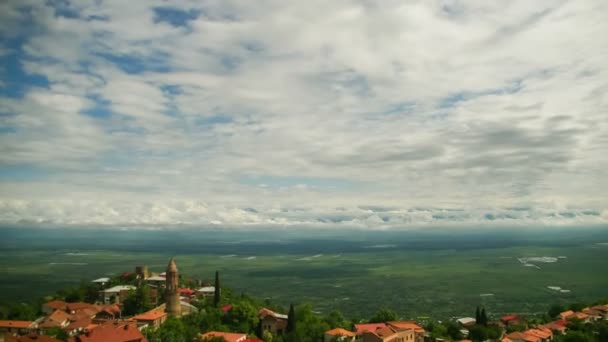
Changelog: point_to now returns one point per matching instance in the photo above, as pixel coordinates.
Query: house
(557, 327)
(361, 328)
(594, 314)
(186, 293)
(152, 319)
(512, 320)
(581, 316)
(116, 294)
(339, 334)
(77, 326)
(58, 318)
(49, 307)
(112, 331)
(206, 291)
(108, 312)
(73, 308)
(522, 337)
(19, 327)
(466, 321)
(271, 321)
(389, 333)
(566, 314)
(157, 281)
(29, 338)
(229, 337)
(101, 281)
(545, 335)
(409, 325)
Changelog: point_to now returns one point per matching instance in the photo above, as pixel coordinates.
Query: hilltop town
(146, 306)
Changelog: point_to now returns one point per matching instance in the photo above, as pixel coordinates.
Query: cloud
(344, 104)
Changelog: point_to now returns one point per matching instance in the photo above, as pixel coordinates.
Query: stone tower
(173, 306)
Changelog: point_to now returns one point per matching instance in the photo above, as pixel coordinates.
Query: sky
(342, 113)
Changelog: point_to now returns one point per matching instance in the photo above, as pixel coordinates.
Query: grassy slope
(434, 275)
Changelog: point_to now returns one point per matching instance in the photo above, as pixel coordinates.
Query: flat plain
(424, 272)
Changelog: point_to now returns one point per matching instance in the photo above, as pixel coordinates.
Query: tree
(242, 317)
(218, 290)
(478, 333)
(138, 301)
(384, 315)
(478, 316)
(291, 320)
(555, 310)
(453, 331)
(484, 317)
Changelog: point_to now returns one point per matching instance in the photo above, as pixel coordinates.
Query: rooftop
(119, 288)
(340, 332)
(101, 280)
(115, 332)
(150, 316)
(361, 328)
(15, 324)
(229, 337)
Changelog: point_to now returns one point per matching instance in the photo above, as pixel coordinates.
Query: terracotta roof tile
(371, 327)
(15, 324)
(340, 332)
(150, 316)
(115, 332)
(229, 337)
(30, 338)
(56, 305)
(406, 325)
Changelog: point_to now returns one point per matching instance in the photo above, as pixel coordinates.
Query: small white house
(206, 291)
(101, 281)
(115, 294)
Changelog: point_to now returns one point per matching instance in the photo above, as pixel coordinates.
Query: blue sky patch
(173, 16)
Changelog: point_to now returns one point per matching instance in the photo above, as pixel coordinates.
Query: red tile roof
(340, 332)
(15, 324)
(267, 312)
(150, 316)
(30, 338)
(544, 334)
(406, 325)
(115, 332)
(79, 324)
(252, 340)
(186, 292)
(371, 327)
(56, 305)
(508, 318)
(81, 306)
(55, 319)
(566, 314)
(229, 337)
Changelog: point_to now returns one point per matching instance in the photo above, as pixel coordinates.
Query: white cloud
(469, 105)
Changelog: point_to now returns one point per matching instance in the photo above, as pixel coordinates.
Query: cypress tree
(291, 320)
(484, 318)
(477, 316)
(217, 292)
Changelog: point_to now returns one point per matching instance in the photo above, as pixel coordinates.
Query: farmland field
(431, 272)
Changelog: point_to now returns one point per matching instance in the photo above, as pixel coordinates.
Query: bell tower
(173, 305)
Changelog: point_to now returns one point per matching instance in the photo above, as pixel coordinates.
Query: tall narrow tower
(173, 306)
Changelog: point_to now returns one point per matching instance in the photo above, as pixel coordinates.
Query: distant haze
(338, 113)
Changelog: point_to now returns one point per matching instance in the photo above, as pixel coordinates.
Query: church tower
(173, 305)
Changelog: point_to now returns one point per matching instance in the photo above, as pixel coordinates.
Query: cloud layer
(289, 112)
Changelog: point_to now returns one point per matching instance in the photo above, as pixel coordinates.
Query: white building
(206, 291)
(116, 294)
